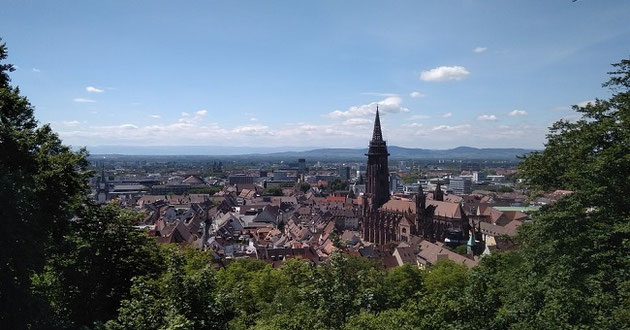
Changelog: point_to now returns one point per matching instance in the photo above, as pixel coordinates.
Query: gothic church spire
(377, 176)
(377, 134)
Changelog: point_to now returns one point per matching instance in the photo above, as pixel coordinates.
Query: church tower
(102, 190)
(438, 194)
(421, 201)
(377, 185)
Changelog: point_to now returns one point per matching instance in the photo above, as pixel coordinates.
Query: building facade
(460, 185)
(385, 220)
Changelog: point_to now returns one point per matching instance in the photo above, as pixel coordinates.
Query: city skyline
(310, 75)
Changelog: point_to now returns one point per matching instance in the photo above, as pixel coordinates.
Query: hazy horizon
(198, 150)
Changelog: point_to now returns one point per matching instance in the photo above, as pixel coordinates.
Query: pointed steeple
(421, 200)
(438, 194)
(377, 135)
(103, 172)
(377, 172)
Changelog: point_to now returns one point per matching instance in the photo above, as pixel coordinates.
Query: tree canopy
(42, 182)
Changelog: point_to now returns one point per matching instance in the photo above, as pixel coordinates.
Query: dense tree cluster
(41, 184)
(68, 264)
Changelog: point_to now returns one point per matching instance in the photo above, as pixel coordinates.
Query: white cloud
(487, 118)
(71, 123)
(357, 121)
(252, 129)
(448, 128)
(308, 127)
(416, 95)
(445, 73)
(415, 117)
(155, 116)
(190, 119)
(392, 104)
(128, 126)
(447, 115)
(518, 113)
(302, 134)
(36, 70)
(253, 119)
(82, 100)
(585, 103)
(480, 49)
(92, 89)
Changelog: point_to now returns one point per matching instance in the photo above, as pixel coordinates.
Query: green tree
(273, 191)
(90, 272)
(207, 190)
(461, 249)
(41, 182)
(577, 250)
(403, 283)
(337, 184)
(341, 288)
(590, 156)
(446, 275)
(304, 186)
(185, 296)
(571, 270)
(237, 284)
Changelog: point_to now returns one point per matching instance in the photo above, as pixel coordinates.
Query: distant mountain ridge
(411, 153)
(313, 154)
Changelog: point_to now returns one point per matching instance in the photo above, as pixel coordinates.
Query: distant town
(395, 212)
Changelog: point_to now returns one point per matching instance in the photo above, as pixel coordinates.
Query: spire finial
(377, 135)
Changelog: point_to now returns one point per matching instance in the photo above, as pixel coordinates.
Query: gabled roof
(399, 205)
(512, 226)
(446, 209)
(193, 179)
(247, 194)
(432, 253)
(389, 261)
(453, 198)
(330, 227)
(498, 217)
(340, 199)
(491, 229)
(406, 220)
(405, 255)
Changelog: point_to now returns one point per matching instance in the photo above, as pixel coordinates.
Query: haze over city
(293, 76)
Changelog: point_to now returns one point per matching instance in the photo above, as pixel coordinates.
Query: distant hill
(409, 153)
(460, 153)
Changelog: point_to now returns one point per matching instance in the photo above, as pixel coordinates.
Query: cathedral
(386, 219)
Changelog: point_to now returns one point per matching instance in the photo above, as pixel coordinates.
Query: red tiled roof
(340, 199)
(432, 253)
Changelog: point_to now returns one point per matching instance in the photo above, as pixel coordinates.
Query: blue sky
(310, 73)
